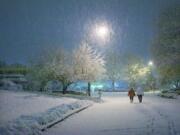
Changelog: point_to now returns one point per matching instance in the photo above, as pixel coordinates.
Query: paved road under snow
(116, 116)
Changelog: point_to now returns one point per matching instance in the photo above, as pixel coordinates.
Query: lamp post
(150, 64)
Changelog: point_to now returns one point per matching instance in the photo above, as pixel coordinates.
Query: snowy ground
(116, 116)
(21, 111)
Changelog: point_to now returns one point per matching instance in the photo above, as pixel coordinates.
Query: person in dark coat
(131, 94)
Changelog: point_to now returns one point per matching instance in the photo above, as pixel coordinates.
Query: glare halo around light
(101, 31)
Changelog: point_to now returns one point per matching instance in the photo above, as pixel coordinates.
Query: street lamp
(101, 31)
(98, 32)
(150, 63)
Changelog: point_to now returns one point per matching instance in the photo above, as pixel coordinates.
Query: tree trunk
(64, 88)
(89, 89)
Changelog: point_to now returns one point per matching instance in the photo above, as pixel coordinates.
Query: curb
(43, 128)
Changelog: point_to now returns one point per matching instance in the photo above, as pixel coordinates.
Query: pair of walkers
(139, 92)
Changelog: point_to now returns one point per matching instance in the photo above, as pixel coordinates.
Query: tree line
(166, 47)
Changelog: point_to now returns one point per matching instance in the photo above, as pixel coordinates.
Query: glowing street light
(150, 63)
(98, 32)
(102, 31)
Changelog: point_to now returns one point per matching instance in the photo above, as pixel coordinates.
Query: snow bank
(37, 118)
(168, 94)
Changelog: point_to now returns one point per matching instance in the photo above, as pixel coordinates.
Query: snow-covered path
(116, 116)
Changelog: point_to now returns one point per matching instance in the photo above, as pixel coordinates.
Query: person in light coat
(140, 93)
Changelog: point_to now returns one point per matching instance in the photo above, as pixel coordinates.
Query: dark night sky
(28, 26)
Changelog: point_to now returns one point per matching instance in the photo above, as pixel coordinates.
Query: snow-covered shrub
(53, 85)
(9, 85)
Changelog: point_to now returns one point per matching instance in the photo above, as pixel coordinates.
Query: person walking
(140, 93)
(131, 94)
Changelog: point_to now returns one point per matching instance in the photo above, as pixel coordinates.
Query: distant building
(106, 85)
(121, 85)
(15, 78)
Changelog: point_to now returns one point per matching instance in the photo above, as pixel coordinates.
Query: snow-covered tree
(88, 64)
(127, 67)
(59, 65)
(166, 47)
(114, 66)
(137, 74)
(135, 70)
(51, 65)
